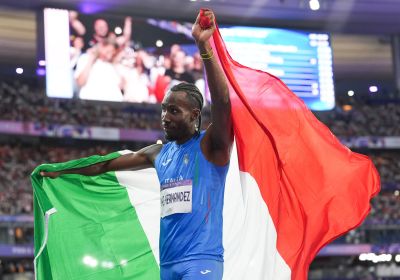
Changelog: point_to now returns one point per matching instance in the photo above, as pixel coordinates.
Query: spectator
(96, 73)
(178, 73)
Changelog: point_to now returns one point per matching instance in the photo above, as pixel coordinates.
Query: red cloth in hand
(204, 21)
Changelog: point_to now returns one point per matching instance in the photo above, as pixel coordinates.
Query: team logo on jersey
(165, 163)
(186, 159)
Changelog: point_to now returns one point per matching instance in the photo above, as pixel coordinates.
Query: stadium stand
(19, 155)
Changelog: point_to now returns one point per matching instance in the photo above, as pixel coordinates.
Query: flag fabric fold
(315, 188)
(89, 227)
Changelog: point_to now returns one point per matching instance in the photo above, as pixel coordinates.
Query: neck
(99, 39)
(179, 69)
(186, 138)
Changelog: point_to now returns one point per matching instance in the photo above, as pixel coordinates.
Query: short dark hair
(194, 96)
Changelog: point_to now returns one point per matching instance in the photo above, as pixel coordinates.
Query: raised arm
(133, 161)
(76, 24)
(84, 67)
(127, 30)
(218, 140)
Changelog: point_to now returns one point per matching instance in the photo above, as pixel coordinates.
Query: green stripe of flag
(95, 233)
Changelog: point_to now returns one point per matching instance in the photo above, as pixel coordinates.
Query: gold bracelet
(207, 55)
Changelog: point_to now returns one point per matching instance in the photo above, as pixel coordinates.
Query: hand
(51, 175)
(128, 20)
(72, 15)
(201, 35)
(93, 53)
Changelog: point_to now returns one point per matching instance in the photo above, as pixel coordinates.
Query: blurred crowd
(21, 102)
(21, 269)
(362, 119)
(388, 165)
(18, 161)
(385, 209)
(109, 65)
(382, 225)
(349, 268)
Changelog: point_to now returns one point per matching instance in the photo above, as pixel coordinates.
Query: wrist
(204, 47)
(207, 55)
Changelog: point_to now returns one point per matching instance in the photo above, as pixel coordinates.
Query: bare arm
(76, 24)
(219, 136)
(127, 30)
(83, 76)
(133, 161)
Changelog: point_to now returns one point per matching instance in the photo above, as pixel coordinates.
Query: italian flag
(291, 188)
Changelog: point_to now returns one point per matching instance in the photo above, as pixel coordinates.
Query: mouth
(166, 127)
(168, 133)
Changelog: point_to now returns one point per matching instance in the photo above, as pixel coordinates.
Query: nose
(165, 117)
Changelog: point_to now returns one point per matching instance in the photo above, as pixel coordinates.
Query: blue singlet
(192, 196)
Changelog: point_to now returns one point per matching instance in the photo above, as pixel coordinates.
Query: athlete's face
(178, 118)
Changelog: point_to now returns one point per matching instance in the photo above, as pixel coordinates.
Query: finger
(212, 17)
(198, 18)
(203, 12)
(205, 22)
(208, 13)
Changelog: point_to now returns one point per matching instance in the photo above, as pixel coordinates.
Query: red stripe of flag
(315, 188)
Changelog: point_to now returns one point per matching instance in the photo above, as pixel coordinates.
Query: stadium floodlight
(118, 30)
(314, 5)
(373, 89)
(159, 43)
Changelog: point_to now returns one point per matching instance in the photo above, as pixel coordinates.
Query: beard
(169, 137)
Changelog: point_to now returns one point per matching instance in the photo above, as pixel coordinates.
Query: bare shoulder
(151, 151)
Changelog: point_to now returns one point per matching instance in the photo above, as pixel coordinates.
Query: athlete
(191, 169)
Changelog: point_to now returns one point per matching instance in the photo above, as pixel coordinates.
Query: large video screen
(125, 59)
(303, 61)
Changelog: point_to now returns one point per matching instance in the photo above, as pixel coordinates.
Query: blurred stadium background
(34, 128)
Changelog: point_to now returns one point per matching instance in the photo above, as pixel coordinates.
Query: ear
(195, 114)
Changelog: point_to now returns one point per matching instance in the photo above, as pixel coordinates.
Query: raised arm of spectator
(83, 71)
(76, 24)
(144, 158)
(127, 32)
(218, 140)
